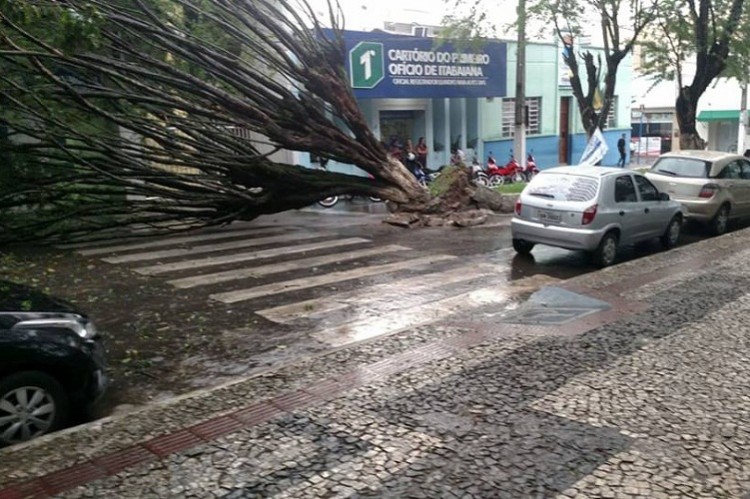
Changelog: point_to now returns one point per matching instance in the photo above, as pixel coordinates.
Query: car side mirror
(663, 196)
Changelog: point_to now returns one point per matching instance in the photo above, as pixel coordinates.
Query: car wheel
(606, 253)
(720, 221)
(672, 235)
(32, 404)
(522, 247)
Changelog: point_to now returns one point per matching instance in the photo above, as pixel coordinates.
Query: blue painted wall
(611, 136)
(545, 148)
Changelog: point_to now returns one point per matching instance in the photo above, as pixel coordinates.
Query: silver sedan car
(713, 186)
(594, 209)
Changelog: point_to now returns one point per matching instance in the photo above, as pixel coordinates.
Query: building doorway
(398, 126)
(563, 151)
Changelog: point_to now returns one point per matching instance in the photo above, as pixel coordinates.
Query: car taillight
(708, 191)
(589, 214)
(518, 207)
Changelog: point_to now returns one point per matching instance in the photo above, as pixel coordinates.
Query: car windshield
(563, 187)
(682, 167)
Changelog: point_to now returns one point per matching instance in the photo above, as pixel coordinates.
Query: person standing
(409, 148)
(394, 149)
(621, 149)
(422, 153)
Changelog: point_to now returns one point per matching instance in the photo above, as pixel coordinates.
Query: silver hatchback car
(594, 209)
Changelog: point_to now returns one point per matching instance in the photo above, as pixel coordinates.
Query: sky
(362, 15)
(368, 15)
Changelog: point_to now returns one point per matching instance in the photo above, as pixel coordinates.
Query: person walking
(621, 149)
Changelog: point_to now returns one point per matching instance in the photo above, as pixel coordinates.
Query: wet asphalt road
(291, 285)
(487, 242)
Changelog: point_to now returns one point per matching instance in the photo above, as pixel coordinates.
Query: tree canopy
(620, 23)
(139, 113)
(709, 33)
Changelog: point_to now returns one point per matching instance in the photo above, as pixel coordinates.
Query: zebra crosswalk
(337, 289)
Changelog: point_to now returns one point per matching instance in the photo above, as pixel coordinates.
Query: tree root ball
(454, 200)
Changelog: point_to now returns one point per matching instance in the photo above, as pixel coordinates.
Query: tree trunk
(686, 107)
(712, 51)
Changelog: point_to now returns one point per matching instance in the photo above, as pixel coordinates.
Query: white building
(718, 117)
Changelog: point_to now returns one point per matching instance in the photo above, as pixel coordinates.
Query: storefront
(723, 128)
(458, 97)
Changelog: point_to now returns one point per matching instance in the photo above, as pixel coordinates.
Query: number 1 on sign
(366, 61)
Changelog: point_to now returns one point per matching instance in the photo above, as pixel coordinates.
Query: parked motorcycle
(477, 173)
(530, 170)
(511, 172)
(415, 167)
(331, 201)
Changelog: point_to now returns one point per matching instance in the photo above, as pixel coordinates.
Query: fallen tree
(170, 117)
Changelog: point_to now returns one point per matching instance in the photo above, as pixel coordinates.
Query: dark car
(52, 367)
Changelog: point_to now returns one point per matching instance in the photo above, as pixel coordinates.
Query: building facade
(717, 120)
(410, 87)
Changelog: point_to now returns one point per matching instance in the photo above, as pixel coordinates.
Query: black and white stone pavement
(641, 393)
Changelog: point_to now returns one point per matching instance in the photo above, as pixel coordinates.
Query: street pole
(743, 120)
(519, 136)
(640, 135)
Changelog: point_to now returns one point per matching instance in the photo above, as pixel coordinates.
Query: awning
(719, 115)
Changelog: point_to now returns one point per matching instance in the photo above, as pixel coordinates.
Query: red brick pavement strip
(171, 443)
(261, 412)
(66, 479)
(216, 428)
(116, 462)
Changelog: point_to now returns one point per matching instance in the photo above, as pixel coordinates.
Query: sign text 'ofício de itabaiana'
(386, 66)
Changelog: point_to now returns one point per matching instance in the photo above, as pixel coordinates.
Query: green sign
(367, 64)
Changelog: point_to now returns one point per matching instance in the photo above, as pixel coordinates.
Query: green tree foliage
(710, 33)
(620, 24)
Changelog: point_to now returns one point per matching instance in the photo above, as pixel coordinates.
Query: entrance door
(727, 136)
(398, 125)
(564, 130)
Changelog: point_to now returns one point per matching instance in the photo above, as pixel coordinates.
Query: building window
(534, 116)
(612, 116)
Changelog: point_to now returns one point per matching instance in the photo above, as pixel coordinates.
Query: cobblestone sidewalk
(646, 398)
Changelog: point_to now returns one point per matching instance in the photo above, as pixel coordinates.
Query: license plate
(548, 216)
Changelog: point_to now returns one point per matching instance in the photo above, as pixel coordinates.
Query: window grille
(533, 117)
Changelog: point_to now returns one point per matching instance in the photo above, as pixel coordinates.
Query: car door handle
(647, 210)
(622, 213)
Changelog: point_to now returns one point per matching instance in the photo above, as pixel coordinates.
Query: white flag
(595, 150)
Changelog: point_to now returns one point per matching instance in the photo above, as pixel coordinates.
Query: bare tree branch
(180, 126)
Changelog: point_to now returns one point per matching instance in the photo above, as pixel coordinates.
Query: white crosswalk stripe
(276, 268)
(408, 290)
(211, 248)
(411, 317)
(333, 277)
(247, 257)
(173, 241)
